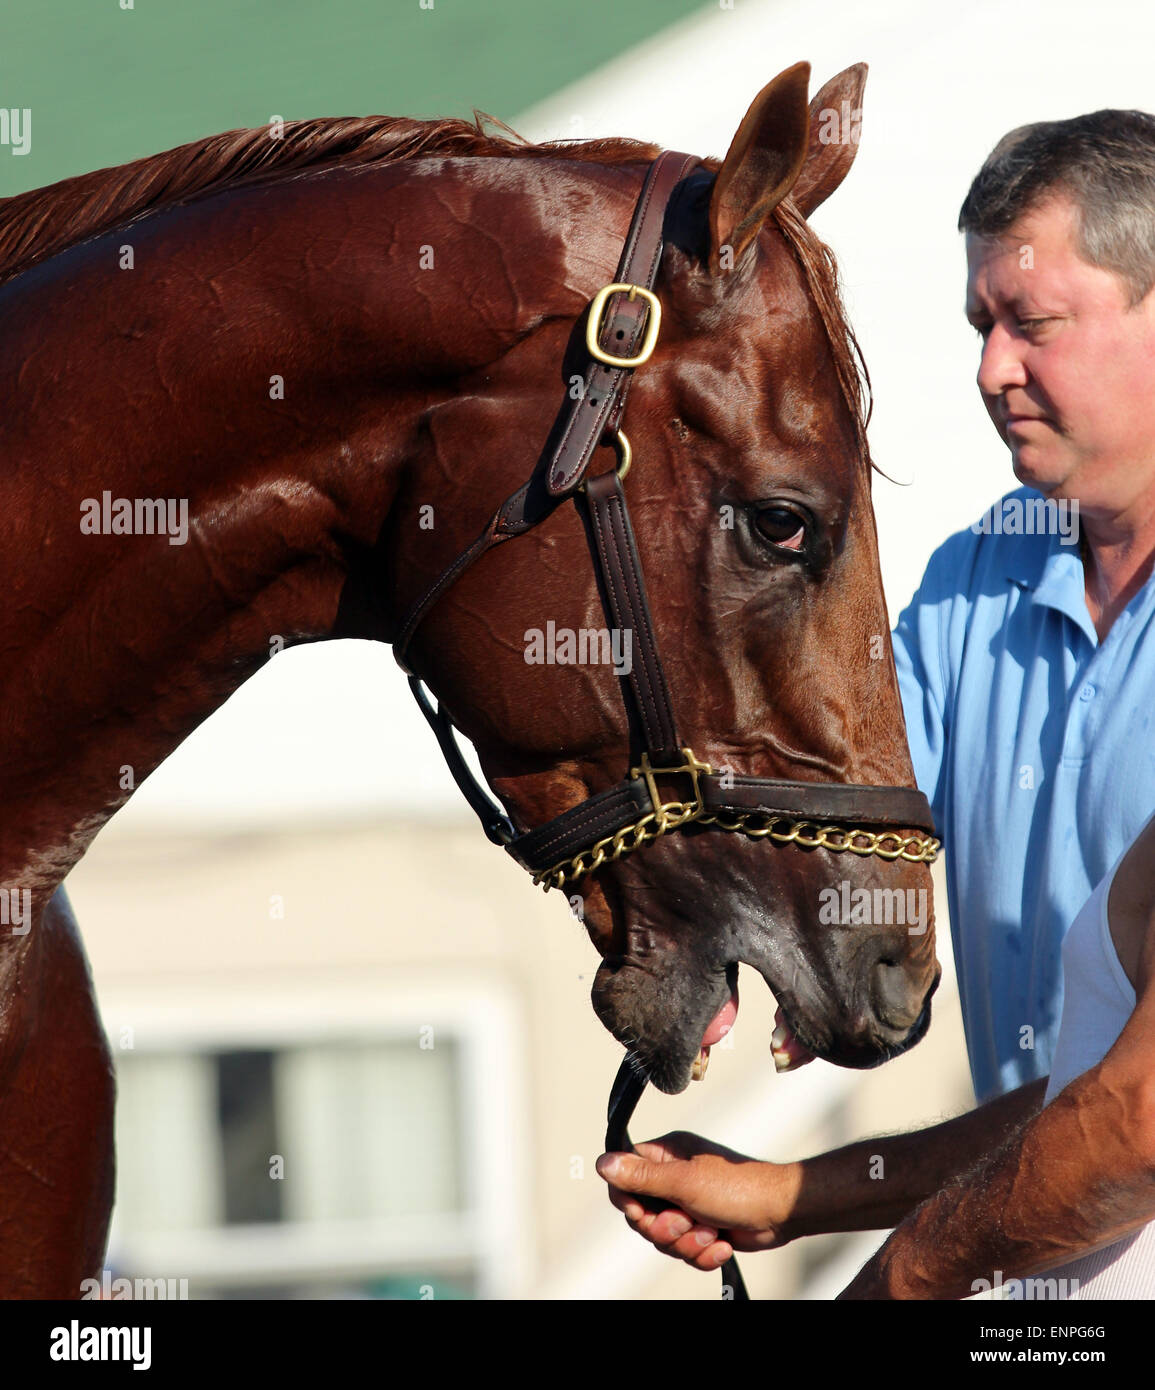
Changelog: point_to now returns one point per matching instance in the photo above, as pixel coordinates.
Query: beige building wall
(350, 934)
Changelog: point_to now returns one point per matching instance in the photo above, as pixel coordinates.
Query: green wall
(107, 85)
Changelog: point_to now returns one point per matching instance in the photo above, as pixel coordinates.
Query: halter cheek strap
(619, 339)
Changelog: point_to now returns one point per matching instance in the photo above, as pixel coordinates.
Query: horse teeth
(701, 1062)
(780, 1041)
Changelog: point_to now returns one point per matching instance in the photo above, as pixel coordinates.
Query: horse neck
(259, 370)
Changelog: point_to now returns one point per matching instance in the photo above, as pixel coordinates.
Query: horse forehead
(777, 308)
(768, 367)
(764, 317)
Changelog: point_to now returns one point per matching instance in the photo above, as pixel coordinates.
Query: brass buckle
(594, 325)
(694, 767)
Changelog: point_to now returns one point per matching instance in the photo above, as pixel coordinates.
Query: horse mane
(43, 222)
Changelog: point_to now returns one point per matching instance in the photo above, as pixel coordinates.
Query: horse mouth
(786, 1047)
(717, 1028)
(794, 1044)
(797, 1039)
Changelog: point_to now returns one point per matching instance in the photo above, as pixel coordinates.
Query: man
(1027, 665)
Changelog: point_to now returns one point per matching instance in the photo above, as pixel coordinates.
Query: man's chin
(1043, 475)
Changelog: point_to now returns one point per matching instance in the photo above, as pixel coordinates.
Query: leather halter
(622, 327)
(621, 330)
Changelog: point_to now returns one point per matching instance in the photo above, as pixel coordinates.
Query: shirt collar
(1053, 572)
(1063, 585)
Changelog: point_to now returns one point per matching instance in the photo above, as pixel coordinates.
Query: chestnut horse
(319, 344)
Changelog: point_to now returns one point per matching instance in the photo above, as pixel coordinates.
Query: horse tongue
(722, 1022)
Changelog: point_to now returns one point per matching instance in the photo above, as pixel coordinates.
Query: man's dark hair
(1104, 162)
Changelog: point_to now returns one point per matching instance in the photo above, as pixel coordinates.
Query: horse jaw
(855, 996)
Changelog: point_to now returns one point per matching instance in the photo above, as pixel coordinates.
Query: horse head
(750, 494)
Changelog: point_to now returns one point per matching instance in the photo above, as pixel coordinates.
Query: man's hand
(725, 1201)
(722, 1200)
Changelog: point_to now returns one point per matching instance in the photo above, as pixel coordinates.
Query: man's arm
(1076, 1177)
(875, 1183)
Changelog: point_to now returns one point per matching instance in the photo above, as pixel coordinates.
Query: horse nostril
(897, 1000)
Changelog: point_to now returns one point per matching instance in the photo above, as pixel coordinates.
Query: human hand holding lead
(722, 1201)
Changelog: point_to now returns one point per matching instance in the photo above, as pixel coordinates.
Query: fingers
(673, 1232)
(677, 1236)
(677, 1231)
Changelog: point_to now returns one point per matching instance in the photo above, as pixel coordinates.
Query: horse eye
(781, 527)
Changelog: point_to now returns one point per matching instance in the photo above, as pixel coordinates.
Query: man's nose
(1001, 365)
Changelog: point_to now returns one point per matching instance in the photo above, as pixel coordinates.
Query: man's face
(1068, 370)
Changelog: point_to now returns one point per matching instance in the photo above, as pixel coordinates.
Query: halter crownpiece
(622, 328)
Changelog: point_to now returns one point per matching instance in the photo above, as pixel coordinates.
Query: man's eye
(781, 527)
(1029, 325)
(982, 329)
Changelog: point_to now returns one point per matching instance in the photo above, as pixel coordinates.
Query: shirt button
(1087, 693)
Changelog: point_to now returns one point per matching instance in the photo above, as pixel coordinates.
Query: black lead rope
(624, 1096)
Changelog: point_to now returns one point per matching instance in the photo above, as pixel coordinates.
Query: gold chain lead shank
(670, 815)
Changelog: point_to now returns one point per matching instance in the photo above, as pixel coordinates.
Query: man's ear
(761, 166)
(835, 122)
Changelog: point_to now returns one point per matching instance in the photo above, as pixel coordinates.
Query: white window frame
(479, 1011)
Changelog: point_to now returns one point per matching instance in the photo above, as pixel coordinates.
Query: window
(319, 1147)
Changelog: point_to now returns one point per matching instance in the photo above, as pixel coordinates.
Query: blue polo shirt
(1033, 742)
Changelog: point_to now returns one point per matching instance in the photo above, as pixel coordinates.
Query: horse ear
(835, 121)
(761, 165)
